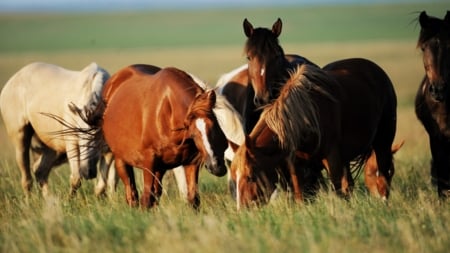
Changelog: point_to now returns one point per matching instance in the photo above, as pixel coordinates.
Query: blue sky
(96, 5)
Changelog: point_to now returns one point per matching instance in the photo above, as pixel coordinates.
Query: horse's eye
(249, 58)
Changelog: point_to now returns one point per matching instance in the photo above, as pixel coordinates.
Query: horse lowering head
(205, 130)
(434, 41)
(262, 50)
(254, 169)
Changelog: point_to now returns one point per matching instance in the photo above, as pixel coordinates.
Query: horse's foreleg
(193, 197)
(180, 177)
(339, 175)
(73, 155)
(126, 174)
(42, 167)
(296, 178)
(152, 187)
(440, 165)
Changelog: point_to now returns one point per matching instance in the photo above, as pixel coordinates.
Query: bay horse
(233, 86)
(26, 101)
(368, 103)
(432, 103)
(157, 119)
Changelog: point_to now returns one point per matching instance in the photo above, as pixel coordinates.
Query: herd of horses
(279, 121)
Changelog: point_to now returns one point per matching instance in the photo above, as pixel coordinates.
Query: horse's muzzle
(437, 91)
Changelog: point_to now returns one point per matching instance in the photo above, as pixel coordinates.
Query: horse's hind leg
(22, 144)
(46, 160)
(126, 174)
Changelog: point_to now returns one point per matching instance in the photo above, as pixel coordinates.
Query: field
(209, 43)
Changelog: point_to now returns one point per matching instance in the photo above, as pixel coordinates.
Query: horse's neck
(277, 75)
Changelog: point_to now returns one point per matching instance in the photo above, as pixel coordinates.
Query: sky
(107, 5)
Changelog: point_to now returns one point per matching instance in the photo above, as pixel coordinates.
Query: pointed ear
(447, 18)
(233, 146)
(248, 28)
(423, 19)
(211, 96)
(276, 27)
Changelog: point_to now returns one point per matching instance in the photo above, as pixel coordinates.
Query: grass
(413, 221)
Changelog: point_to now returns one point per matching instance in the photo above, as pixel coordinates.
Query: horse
(27, 106)
(295, 123)
(156, 119)
(233, 85)
(367, 95)
(432, 98)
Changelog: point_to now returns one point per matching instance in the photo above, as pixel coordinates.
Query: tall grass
(414, 220)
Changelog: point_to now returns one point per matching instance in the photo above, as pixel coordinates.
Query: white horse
(30, 102)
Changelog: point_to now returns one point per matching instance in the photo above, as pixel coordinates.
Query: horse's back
(42, 88)
(368, 104)
(145, 109)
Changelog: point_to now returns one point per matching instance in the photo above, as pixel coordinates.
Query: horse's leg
(22, 144)
(338, 173)
(107, 175)
(126, 174)
(73, 155)
(42, 166)
(297, 181)
(157, 187)
(193, 197)
(180, 177)
(440, 165)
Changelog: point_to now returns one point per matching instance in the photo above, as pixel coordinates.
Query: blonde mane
(293, 117)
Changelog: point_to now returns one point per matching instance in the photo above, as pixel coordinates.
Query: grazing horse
(367, 102)
(233, 85)
(433, 96)
(157, 119)
(296, 122)
(30, 99)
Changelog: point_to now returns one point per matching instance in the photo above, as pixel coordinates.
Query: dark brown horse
(433, 96)
(157, 119)
(367, 102)
(295, 123)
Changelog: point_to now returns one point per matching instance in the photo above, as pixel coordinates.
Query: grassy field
(209, 43)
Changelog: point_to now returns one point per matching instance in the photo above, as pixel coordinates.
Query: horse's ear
(233, 146)
(423, 19)
(447, 17)
(276, 28)
(211, 96)
(248, 28)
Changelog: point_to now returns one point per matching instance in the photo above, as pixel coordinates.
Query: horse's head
(254, 169)
(434, 41)
(205, 130)
(264, 54)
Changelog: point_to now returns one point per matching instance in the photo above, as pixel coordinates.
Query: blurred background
(205, 37)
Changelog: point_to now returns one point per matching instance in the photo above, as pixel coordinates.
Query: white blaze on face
(262, 72)
(201, 126)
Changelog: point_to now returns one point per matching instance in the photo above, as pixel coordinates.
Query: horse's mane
(227, 117)
(229, 120)
(292, 116)
(263, 42)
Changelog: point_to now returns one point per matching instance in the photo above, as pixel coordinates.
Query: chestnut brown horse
(157, 119)
(367, 100)
(433, 96)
